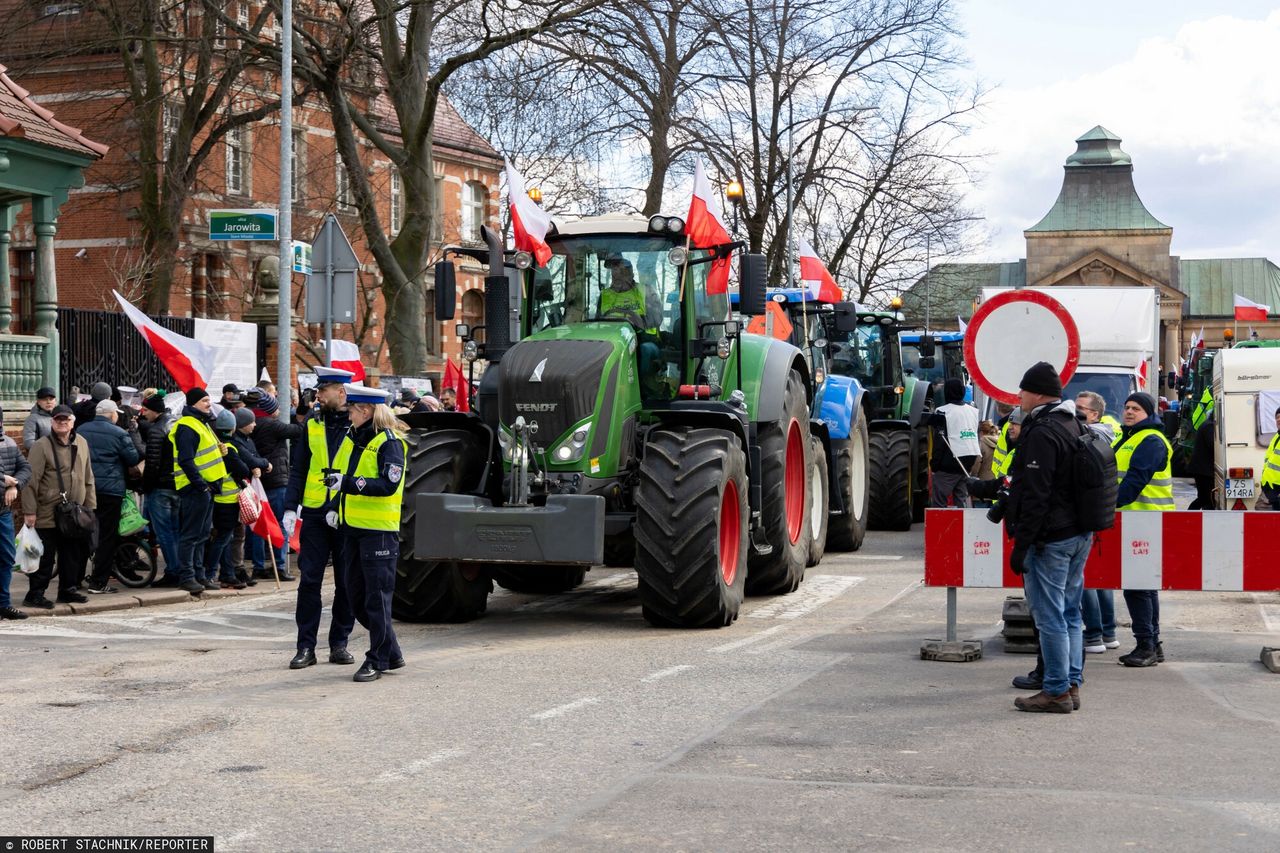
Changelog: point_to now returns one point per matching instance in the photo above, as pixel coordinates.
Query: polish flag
(188, 361)
(346, 356)
(1197, 340)
(1141, 372)
(454, 379)
(964, 327)
(266, 526)
(705, 228)
(815, 276)
(529, 221)
(1247, 309)
(295, 541)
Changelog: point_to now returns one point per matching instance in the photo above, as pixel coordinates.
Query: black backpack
(1096, 481)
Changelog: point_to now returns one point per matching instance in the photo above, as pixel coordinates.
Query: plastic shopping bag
(131, 520)
(29, 550)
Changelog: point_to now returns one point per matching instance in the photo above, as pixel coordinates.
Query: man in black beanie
(198, 470)
(1049, 548)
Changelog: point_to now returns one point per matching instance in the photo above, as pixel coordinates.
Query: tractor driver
(628, 298)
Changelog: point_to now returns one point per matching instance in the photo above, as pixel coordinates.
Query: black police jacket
(1041, 503)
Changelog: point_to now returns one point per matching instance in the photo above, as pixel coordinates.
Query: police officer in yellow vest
(1270, 496)
(370, 490)
(198, 472)
(1006, 444)
(313, 459)
(220, 568)
(1143, 463)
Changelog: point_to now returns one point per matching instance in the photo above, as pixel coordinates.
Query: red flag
(705, 228)
(454, 379)
(529, 222)
(346, 356)
(267, 526)
(1141, 373)
(815, 276)
(1247, 309)
(295, 541)
(188, 361)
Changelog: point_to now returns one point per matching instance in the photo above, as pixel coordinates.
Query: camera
(995, 515)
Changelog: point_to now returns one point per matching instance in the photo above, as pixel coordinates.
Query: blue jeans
(1054, 583)
(1099, 609)
(8, 552)
(161, 511)
(258, 545)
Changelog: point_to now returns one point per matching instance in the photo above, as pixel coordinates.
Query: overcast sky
(1192, 89)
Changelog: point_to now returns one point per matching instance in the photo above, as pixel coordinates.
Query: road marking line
(53, 631)
(816, 591)
(872, 556)
(415, 768)
(746, 641)
(665, 673)
(565, 709)
(1270, 613)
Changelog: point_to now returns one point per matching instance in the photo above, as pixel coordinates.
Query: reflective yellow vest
(1203, 409)
(1158, 493)
(314, 494)
(625, 300)
(208, 454)
(228, 489)
(1114, 424)
(1002, 458)
(1271, 468)
(363, 511)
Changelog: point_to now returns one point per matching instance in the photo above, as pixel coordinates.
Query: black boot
(303, 659)
(1144, 655)
(1159, 652)
(1033, 680)
(367, 672)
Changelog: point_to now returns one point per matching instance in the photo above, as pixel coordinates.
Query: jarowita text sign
(243, 224)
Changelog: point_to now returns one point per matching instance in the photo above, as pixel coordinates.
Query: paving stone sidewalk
(126, 599)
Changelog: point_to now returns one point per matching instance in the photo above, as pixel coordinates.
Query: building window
(242, 15)
(24, 319)
(397, 202)
(296, 158)
(437, 213)
(474, 199)
(170, 117)
(342, 185)
(236, 161)
(473, 308)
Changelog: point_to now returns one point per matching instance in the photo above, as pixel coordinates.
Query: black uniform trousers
(320, 542)
(370, 558)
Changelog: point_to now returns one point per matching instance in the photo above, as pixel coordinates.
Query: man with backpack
(1058, 496)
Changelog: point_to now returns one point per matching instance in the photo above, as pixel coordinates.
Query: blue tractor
(840, 474)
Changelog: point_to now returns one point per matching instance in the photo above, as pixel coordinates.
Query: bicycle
(135, 561)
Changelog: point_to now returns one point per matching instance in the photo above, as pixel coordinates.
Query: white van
(1246, 393)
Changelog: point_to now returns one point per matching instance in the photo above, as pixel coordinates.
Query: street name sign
(243, 224)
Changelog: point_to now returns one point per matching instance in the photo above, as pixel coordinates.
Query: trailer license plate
(1239, 489)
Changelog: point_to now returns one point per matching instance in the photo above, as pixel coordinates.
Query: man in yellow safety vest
(198, 472)
(1270, 496)
(1144, 466)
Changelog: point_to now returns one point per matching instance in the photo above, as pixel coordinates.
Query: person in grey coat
(40, 422)
(112, 453)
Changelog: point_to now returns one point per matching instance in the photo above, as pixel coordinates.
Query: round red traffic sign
(1012, 331)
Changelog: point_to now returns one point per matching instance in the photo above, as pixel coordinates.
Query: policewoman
(321, 453)
(370, 490)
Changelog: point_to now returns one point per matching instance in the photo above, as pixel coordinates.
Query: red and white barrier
(1184, 550)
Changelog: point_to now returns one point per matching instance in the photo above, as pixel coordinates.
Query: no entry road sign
(1014, 330)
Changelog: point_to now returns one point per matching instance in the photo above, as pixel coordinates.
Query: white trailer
(1246, 392)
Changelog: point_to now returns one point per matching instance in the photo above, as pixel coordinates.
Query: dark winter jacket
(272, 438)
(13, 464)
(336, 427)
(158, 473)
(187, 441)
(38, 424)
(1042, 492)
(248, 452)
(1148, 459)
(111, 452)
(1201, 462)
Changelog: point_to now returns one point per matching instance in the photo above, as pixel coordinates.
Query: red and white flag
(346, 356)
(266, 526)
(705, 228)
(454, 379)
(1141, 372)
(1247, 309)
(529, 222)
(188, 361)
(1197, 339)
(815, 276)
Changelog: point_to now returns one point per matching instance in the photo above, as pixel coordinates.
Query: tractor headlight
(523, 260)
(657, 223)
(722, 348)
(678, 256)
(675, 224)
(470, 351)
(573, 447)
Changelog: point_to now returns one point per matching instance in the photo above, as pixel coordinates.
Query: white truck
(1246, 393)
(1119, 333)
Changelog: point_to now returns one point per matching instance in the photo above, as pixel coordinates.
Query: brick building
(98, 248)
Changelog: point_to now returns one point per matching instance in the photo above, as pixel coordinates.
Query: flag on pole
(1141, 372)
(266, 526)
(529, 221)
(454, 379)
(705, 228)
(964, 327)
(1247, 309)
(188, 361)
(1197, 339)
(346, 356)
(815, 276)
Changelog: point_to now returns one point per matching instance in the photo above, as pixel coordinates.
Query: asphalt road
(565, 722)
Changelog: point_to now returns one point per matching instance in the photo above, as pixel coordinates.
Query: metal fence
(103, 346)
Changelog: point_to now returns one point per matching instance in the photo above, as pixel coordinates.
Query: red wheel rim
(794, 481)
(730, 532)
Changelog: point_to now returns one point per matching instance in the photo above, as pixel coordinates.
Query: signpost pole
(329, 225)
(284, 320)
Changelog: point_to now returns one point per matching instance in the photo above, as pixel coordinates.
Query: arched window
(474, 200)
(472, 308)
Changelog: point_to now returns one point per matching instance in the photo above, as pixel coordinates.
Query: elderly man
(59, 466)
(112, 452)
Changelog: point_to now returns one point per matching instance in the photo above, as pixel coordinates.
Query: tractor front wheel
(691, 528)
(852, 476)
(820, 510)
(785, 497)
(891, 484)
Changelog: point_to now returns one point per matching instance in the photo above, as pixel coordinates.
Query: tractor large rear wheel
(438, 590)
(920, 476)
(845, 532)
(785, 499)
(889, 460)
(539, 579)
(691, 528)
(820, 506)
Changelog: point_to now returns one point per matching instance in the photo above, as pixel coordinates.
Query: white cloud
(1199, 112)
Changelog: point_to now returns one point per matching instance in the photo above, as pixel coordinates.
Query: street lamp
(735, 195)
(535, 193)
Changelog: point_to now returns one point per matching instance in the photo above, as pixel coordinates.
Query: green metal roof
(955, 286)
(1210, 283)
(1097, 190)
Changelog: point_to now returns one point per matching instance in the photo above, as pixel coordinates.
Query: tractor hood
(554, 382)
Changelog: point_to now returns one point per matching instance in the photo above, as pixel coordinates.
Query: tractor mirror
(927, 350)
(846, 317)
(927, 362)
(446, 290)
(751, 284)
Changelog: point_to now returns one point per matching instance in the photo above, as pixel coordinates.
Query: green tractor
(626, 430)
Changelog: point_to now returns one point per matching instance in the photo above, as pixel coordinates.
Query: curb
(128, 599)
